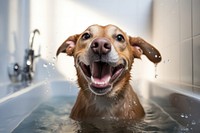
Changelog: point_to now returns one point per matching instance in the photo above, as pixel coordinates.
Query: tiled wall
(196, 40)
(173, 24)
(58, 19)
(176, 32)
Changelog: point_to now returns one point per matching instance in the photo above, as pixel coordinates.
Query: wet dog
(103, 57)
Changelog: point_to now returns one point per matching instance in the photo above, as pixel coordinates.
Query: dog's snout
(101, 46)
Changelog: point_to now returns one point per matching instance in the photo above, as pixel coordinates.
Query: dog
(103, 58)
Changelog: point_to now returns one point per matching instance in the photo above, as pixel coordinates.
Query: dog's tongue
(101, 74)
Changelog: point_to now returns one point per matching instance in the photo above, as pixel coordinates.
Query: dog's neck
(124, 103)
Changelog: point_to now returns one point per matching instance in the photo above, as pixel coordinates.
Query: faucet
(25, 74)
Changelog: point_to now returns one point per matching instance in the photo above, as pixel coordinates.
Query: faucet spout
(28, 72)
(32, 37)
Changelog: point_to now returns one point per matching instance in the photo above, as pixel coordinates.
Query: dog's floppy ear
(140, 47)
(68, 45)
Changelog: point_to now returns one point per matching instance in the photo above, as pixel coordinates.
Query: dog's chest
(106, 105)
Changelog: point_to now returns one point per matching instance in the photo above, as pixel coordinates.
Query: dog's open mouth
(102, 75)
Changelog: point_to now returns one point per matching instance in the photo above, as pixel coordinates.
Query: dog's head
(104, 55)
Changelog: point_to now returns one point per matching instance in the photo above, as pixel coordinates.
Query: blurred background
(172, 26)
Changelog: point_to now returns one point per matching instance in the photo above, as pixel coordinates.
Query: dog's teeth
(100, 83)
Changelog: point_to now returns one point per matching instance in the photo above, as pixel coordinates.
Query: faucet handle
(14, 71)
(36, 56)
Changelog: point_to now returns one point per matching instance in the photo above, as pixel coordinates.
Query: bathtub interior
(180, 104)
(176, 99)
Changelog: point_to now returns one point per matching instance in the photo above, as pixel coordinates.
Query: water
(156, 75)
(52, 116)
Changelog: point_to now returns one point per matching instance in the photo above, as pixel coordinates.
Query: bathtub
(181, 102)
(16, 106)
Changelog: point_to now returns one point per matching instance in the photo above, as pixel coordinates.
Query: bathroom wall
(176, 31)
(173, 26)
(57, 20)
(14, 34)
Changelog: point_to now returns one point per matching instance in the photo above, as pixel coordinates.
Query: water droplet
(186, 116)
(28, 62)
(103, 118)
(44, 65)
(182, 115)
(46, 81)
(193, 122)
(54, 58)
(156, 75)
(135, 103)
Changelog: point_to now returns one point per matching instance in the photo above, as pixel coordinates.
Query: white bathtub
(177, 100)
(15, 107)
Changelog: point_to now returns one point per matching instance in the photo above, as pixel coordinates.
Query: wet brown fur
(122, 102)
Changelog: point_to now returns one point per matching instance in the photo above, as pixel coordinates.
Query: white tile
(166, 22)
(166, 34)
(169, 68)
(186, 61)
(196, 17)
(185, 19)
(196, 60)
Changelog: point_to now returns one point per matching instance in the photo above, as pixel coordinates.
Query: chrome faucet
(25, 73)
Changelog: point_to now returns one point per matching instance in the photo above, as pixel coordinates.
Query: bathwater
(52, 116)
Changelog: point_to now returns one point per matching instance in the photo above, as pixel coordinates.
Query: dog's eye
(86, 36)
(120, 38)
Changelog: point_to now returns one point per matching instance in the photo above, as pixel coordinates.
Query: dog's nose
(101, 46)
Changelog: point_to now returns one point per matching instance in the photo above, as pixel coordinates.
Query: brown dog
(103, 56)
